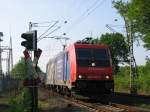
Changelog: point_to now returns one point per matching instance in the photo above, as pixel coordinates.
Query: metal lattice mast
(1, 34)
(11, 55)
(0, 59)
(8, 63)
(9, 59)
(133, 67)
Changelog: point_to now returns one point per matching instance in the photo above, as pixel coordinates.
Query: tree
(132, 26)
(136, 15)
(118, 47)
(122, 9)
(139, 12)
(20, 69)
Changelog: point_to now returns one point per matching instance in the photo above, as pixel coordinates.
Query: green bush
(142, 82)
(121, 83)
(21, 103)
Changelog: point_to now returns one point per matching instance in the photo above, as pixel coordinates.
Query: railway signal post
(32, 79)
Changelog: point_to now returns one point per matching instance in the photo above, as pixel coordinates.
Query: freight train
(83, 69)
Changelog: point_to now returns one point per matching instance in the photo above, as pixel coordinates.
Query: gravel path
(53, 103)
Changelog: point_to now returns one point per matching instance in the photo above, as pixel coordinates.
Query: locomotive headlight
(107, 77)
(80, 76)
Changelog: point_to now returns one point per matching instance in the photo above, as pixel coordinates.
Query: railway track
(130, 108)
(96, 107)
(132, 95)
(99, 107)
(131, 99)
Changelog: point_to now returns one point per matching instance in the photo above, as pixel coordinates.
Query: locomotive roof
(89, 45)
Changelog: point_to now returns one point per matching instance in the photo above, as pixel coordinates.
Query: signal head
(30, 40)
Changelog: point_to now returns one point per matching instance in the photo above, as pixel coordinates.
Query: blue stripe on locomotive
(59, 67)
(62, 70)
(66, 67)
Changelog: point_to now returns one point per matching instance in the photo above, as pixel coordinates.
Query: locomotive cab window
(92, 57)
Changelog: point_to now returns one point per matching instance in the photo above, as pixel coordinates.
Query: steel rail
(99, 107)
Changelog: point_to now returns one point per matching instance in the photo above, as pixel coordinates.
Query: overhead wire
(42, 35)
(89, 10)
(84, 13)
(110, 28)
(48, 29)
(49, 33)
(96, 7)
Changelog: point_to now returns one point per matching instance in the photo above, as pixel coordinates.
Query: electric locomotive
(82, 68)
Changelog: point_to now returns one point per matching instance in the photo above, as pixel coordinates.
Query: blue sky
(84, 18)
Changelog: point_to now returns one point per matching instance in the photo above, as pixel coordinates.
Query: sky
(84, 18)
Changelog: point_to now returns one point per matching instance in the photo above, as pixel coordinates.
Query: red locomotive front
(91, 68)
